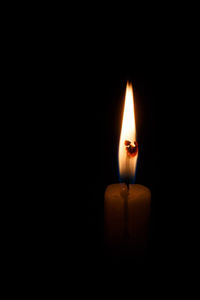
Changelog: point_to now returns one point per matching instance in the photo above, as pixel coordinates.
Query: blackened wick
(132, 149)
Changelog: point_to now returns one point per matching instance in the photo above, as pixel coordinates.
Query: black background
(88, 126)
(76, 92)
(82, 125)
(162, 117)
(65, 76)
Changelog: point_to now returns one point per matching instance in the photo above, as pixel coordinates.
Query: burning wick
(131, 149)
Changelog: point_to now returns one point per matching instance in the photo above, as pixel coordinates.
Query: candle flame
(127, 163)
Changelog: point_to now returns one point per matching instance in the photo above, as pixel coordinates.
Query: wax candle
(126, 205)
(126, 215)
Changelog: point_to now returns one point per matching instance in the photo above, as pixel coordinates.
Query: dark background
(162, 118)
(85, 124)
(66, 74)
(82, 129)
(76, 91)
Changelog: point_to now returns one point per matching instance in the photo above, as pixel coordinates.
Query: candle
(127, 205)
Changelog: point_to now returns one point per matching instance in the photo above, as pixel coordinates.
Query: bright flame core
(127, 165)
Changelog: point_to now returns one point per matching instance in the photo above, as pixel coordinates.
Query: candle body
(126, 217)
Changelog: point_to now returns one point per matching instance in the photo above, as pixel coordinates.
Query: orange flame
(127, 164)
